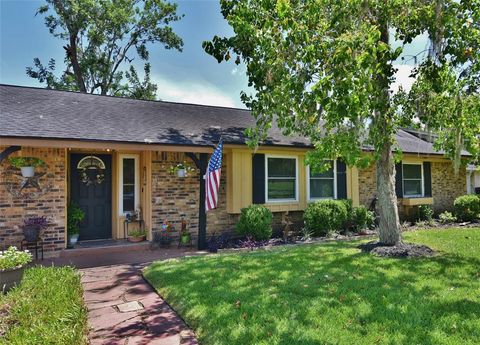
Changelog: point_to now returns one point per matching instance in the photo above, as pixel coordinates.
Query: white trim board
(121, 157)
(276, 201)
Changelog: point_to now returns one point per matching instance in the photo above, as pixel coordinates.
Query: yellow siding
(353, 191)
(239, 181)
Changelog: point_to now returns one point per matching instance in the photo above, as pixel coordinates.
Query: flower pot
(185, 238)
(31, 233)
(28, 171)
(181, 173)
(10, 278)
(136, 239)
(73, 239)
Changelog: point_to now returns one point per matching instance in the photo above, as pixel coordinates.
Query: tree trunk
(73, 55)
(389, 227)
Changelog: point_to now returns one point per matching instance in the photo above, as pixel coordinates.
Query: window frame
(335, 196)
(289, 200)
(411, 179)
(136, 158)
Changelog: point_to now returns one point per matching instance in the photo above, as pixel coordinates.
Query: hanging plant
(26, 164)
(181, 169)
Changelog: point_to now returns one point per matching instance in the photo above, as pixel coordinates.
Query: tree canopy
(101, 38)
(324, 69)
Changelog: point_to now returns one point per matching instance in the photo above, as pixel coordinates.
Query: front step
(105, 249)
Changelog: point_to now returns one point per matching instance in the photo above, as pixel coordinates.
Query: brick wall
(367, 184)
(446, 186)
(174, 198)
(50, 202)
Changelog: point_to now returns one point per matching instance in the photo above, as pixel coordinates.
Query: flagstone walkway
(123, 309)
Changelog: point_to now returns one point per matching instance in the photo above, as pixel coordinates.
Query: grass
(47, 308)
(330, 294)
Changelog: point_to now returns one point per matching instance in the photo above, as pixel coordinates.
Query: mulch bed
(403, 250)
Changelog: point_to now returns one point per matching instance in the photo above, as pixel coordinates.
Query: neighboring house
(473, 179)
(133, 143)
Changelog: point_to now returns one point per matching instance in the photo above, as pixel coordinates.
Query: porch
(134, 179)
(115, 252)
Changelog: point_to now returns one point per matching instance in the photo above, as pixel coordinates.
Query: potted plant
(32, 227)
(26, 164)
(75, 215)
(185, 238)
(137, 236)
(12, 265)
(165, 238)
(181, 169)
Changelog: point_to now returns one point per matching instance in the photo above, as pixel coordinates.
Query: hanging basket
(28, 171)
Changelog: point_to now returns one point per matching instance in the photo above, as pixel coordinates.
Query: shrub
(425, 213)
(348, 204)
(467, 207)
(362, 218)
(325, 216)
(255, 221)
(447, 217)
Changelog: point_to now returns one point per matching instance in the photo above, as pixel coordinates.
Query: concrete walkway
(124, 310)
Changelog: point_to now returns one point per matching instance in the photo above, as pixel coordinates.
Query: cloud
(193, 92)
(234, 71)
(403, 78)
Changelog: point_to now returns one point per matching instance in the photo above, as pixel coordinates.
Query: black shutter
(427, 179)
(341, 180)
(258, 173)
(398, 180)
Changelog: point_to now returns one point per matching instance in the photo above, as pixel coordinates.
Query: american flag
(212, 178)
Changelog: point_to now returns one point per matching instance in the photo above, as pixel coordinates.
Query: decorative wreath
(91, 170)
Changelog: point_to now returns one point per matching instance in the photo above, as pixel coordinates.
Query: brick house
(134, 143)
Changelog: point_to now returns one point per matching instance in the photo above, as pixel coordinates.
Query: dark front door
(91, 189)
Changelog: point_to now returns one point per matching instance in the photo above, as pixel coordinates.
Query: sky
(191, 76)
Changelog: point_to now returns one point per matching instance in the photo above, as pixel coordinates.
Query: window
(322, 185)
(412, 180)
(281, 173)
(129, 184)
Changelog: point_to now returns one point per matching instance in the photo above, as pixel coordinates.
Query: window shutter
(258, 171)
(398, 180)
(341, 180)
(427, 179)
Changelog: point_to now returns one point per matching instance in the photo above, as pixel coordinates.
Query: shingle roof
(41, 113)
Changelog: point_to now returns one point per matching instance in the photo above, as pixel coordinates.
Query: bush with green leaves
(425, 213)
(75, 215)
(20, 162)
(361, 218)
(325, 216)
(255, 221)
(467, 207)
(447, 217)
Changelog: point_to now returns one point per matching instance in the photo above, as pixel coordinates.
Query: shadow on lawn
(321, 294)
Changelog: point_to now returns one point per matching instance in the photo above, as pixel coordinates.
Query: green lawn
(47, 308)
(330, 294)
